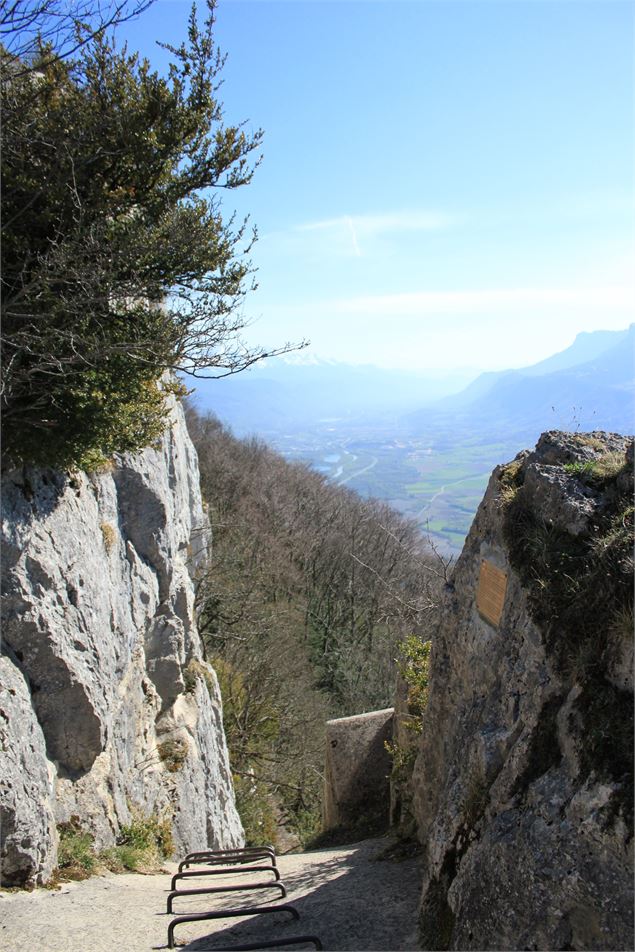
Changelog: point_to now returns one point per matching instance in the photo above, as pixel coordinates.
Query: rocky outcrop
(105, 703)
(523, 789)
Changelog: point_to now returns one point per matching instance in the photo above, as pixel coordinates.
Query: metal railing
(230, 871)
(227, 914)
(231, 862)
(244, 854)
(210, 890)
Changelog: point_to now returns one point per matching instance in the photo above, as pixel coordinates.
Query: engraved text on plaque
(490, 597)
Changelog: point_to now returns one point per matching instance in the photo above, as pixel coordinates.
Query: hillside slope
(277, 395)
(310, 591)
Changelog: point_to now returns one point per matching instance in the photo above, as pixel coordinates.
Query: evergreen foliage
(413, 665)
(414, 668)
(117, 262)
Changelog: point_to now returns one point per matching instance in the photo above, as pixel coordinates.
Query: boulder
(522, 787)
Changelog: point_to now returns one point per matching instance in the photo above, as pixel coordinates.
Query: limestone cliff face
(523, 781)
(105, 704)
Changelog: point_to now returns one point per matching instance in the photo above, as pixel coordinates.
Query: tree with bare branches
(59, 27)
(309, 592)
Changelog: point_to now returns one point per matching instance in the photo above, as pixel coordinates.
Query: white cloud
(354, 241)
(352, 235)
(370, 225)
(347, 234)
(485, 301)
(493, 328)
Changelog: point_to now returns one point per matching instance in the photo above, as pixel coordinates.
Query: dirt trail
(343, 895)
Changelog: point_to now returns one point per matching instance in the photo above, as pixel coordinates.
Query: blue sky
(446, 183)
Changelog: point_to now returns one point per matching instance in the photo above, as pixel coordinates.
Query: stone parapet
(357, 786)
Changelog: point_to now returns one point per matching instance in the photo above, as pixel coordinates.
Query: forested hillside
(308, 594)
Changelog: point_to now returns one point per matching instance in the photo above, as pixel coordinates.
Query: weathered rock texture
(523, 782)
(105, 704)
(356, 783)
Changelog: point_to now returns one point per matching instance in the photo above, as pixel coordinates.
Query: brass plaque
(490, 597)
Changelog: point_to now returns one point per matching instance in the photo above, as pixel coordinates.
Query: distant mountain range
(590, 385)
(426, 444)
(280, 393)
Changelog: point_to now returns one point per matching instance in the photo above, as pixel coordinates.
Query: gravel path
(343, 895)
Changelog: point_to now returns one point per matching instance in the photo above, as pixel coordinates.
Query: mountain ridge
(583, 392)
(586, 347)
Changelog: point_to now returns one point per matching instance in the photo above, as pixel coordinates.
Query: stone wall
(105, 702)
(523, 781)
(357, 785)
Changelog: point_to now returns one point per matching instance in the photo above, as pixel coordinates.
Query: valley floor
(344, 895)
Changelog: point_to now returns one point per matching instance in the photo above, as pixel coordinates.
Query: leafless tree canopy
(307, 597)
(61, 27)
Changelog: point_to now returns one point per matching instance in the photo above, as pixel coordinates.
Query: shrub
(109, 535)
(256, 810)
(141, 846)
(194, 672)
(76, 857)
(148, 832)
(402, 761)
(598, 472)
(580, 468)
(173, 753)
(414, 665)
(306, 824)
(145, 841)
(509, 482)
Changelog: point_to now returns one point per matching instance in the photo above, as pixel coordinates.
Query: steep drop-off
(105, 703)
(522, 786)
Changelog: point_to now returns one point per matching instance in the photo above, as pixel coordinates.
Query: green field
(437, 478)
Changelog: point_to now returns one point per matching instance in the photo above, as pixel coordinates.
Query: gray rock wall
(522, 784)
(102, 674)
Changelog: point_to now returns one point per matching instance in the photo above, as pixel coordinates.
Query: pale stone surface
(98, 616)
(523, 848)
(26, 818)
(356, 783)
(344, 896)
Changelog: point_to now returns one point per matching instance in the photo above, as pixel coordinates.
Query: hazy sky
(446, 182)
